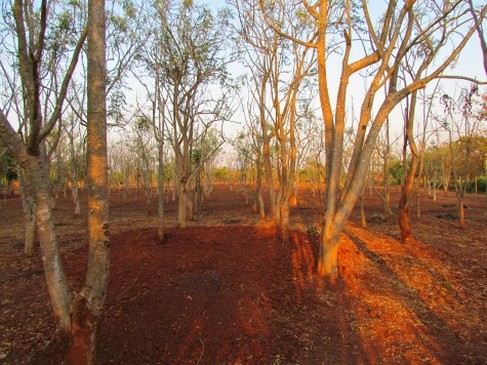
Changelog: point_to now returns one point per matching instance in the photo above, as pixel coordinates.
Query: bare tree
(391, 40)
(478, 17)
(31, 44)
(461, 120)
(190, 61)
(277, 99)
(88, 304)
(77, 322)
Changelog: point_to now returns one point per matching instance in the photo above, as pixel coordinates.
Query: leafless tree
(424, 29)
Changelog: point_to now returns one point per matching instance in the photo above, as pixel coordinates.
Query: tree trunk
(184, 202)
(461, 212)
(147, 193)
(385, 172)
(363, 219)
(88, 305)
(51, 258)
(328, 257)
(410, 174)
(270, 181)
(259, 202)
(284, 219)
(28, 209)
(418, 206)
(75, 193)
(82, 348)
(405, 223)
(404, 207)
(160, 200)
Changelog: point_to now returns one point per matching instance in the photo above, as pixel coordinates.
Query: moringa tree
(347, 33)
(76, 319)
(279, 69)
(87, 305)
(462, 120)
(41, 45)
(191, 43)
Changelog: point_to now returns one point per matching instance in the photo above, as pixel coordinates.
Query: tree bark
(363, 219)
(328, 256)
(184, 202)
(88, 305)
(259, 202)
(75, 193)
(28, 209)
(461, 212)
(51, 258)
(160, 201)
(284, 218)
(408, 183)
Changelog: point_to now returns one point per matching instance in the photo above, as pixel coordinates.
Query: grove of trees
(118, 95)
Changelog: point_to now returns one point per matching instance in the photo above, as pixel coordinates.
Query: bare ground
(227, 291)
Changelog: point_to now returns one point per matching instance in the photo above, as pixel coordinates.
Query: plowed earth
(226, 290)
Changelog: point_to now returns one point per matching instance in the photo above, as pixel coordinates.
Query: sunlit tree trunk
(259, 202)
(88, 304)
(266, 155)
(409, 172)
(394, 41)
(461, 212)
(387, 195)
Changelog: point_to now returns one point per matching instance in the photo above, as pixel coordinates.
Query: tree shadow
(440, 338)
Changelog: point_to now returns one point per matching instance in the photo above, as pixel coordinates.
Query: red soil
(227, 291)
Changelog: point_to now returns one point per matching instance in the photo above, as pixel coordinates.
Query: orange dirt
(227, 291)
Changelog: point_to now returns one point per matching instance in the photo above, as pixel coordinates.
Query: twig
(202, 351)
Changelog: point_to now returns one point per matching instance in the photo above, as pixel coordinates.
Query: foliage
(8, 167)
(465, 157)
(396, 171)
(481, 185)
(221, 173)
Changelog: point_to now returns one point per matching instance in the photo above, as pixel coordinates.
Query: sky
(469, 64)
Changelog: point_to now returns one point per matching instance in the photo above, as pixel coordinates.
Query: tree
(189, 62)
(278, 96)
(88, 304)
(462, 120)
(31, 46)
(42, 45)
(8, 170)
(77, 323)
(76, 143)
(425, 30)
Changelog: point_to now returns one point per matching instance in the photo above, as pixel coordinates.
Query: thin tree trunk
(418, 206)
(183, 203)
(328, 255)
(461, 212)
(88, 304)
(387, 195)
(284, 213)
(51, 258)
(28, 209)
(408, 184)
(75, 193)
(259, 202)
(160, 201)
(363, 218)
